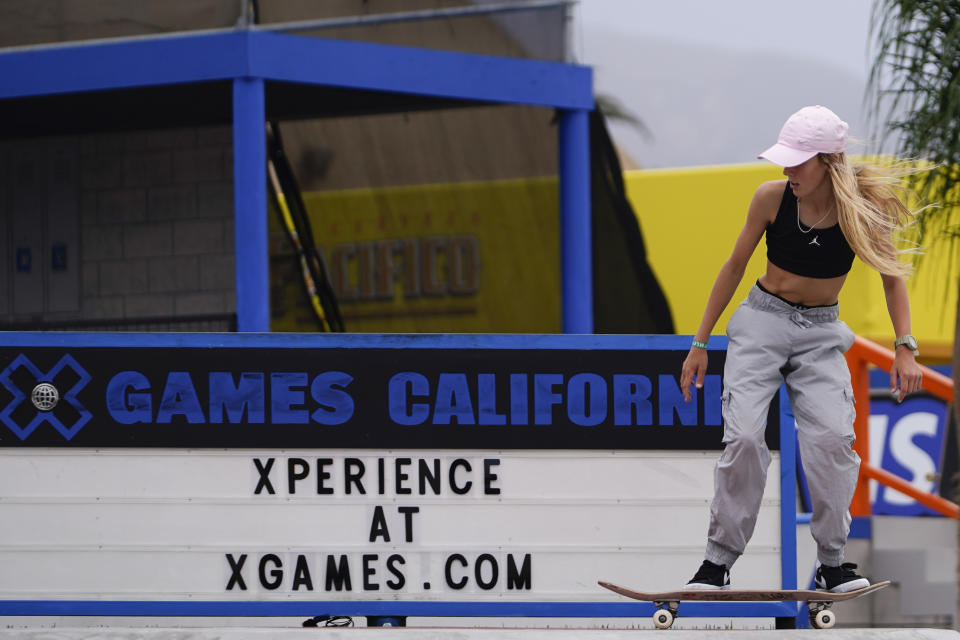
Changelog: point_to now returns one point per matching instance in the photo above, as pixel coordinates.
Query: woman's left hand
(905, 375)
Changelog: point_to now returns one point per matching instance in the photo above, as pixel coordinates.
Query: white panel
(204, 524)
(166, 575)
(538, 475)
(166, 524)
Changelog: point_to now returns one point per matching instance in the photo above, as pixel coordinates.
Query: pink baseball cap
(806, 133)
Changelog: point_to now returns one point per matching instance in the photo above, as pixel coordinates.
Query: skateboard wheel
(824, 619)
(662, 619)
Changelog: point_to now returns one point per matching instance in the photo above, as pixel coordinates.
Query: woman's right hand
(694, 368)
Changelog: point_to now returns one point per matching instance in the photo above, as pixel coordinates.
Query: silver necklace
(800, 226)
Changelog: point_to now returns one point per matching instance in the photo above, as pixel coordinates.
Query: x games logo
(21, 378)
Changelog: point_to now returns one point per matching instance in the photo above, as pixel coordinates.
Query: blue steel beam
(353, 341)
(576, 238)
(251, 256)
(788, 498)
(36, 71)
(247, 608)
(410, 70)
(158, 60)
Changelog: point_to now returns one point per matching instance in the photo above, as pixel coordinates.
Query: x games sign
(461, 398)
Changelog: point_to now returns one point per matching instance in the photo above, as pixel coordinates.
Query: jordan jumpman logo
(814, 241)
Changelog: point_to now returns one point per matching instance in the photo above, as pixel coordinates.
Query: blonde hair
(871, 208)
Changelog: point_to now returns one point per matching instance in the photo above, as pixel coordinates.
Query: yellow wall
(690, 219)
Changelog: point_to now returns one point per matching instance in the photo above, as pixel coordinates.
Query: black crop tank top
(820, 253)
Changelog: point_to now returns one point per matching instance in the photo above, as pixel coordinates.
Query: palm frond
(915, 81)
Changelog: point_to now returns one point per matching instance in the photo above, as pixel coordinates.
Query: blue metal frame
(352, 340)
(386, 608)
(788, 503)
(788, 514)
(251, 257)
(250, 58)
(230, 54)
(576, 234)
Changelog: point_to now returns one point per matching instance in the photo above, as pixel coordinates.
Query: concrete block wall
(155, 213)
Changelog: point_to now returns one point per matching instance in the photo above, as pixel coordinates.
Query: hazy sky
(713, 81)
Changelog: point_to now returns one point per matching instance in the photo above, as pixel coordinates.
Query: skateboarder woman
(824, 213)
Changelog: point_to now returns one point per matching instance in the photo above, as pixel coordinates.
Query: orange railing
(861, 355)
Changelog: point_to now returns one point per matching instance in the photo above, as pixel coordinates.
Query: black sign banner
(383, 398)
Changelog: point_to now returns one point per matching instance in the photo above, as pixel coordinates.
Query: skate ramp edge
(439, 633)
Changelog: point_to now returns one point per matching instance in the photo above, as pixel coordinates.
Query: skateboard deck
(668, 602)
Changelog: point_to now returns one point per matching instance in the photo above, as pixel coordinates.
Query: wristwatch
(909, 341)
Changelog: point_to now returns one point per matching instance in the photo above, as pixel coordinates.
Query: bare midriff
(811, 292)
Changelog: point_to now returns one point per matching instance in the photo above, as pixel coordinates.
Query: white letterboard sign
(265, 471)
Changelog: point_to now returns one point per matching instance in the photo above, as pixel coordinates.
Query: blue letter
(671, 400)
(519, 402)
(581, 388)
(336, 405)
(487, 399)
(283, 396)
(631, 393)
(453, 400)
(544, 398)
(129, 408)
(179, 398)
(397, 394)
(225, 397)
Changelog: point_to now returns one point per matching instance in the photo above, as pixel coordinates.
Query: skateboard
(819, 602)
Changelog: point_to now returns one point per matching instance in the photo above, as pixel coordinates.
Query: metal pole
(576, 242)
(250, 205)
(788, 487)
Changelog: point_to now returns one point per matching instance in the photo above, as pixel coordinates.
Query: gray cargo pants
(772, 340)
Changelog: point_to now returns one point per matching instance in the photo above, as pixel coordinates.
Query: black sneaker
(710, 576)
(840, 579)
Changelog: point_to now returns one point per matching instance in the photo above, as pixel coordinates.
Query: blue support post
(576, 249)
(788, 492)
(250, 205)
(788, 504)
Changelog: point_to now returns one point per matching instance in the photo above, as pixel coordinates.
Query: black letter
(408, 519)
(459, 462)
(236, 578)
(494, 571)
(338, 576)
(301, 575)
(379, 525)
(489, 477)
(354, 477)
(446, 571)
(381, 476)
(521, 579)
(264, 471)
(392, 561)
(323, 474)
(297, 469)
(400, 476)
(433, 477)
(368, 571)
(276, 574)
